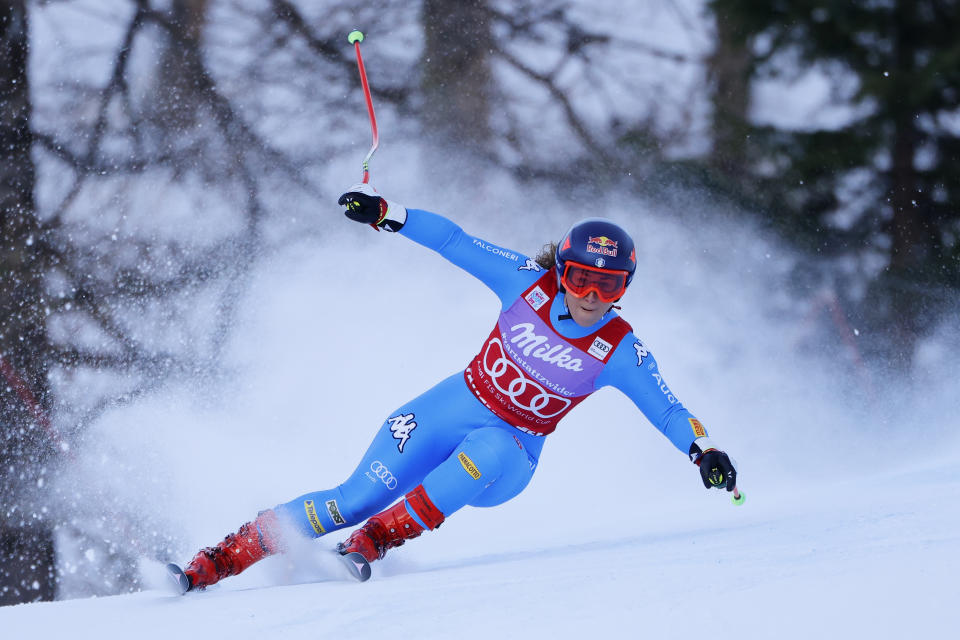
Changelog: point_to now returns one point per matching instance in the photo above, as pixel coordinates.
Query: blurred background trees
(26, 539)
(867, 185)
(155, 150)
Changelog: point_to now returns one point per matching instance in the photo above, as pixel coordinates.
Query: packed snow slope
(849, 529)
(856, 558)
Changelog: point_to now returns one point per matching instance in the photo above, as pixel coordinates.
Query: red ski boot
(393, 527)
(252, 542)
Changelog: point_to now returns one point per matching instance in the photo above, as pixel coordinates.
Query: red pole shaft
(373, 117)
(20, 387)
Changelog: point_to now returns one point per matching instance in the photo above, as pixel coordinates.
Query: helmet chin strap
(564, 316)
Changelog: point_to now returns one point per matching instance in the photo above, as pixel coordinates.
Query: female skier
(475, 438)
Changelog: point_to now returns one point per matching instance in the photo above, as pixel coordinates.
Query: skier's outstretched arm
(635, 372)
(506, 272)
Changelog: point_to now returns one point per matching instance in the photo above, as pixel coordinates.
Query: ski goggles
(580, 279)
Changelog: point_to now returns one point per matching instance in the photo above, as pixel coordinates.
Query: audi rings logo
(510, 380)
(381, 471)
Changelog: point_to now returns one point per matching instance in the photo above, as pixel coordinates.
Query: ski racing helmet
(596, 254)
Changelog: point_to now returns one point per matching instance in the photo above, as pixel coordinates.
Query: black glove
(365, 205)
(716, 468)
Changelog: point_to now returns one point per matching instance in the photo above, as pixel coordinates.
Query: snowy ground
(869, 557)
(849, 530)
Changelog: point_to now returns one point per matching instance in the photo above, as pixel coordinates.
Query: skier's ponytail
(547, 256)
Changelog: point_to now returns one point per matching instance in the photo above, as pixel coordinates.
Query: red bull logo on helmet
(602, 245)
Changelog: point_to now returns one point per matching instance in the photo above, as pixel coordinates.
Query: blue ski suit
(475, 438)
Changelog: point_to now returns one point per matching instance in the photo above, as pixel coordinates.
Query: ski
(356, 564)
(181, 583)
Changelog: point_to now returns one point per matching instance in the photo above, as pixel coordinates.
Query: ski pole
(355, 38)
(716, 479)
(737, 498)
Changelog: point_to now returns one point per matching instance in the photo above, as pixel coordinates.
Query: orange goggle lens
(580, 280)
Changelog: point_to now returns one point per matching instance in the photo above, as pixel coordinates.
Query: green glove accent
(716, 478)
